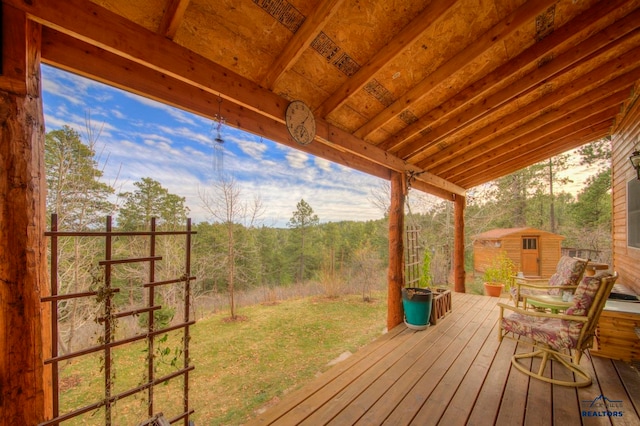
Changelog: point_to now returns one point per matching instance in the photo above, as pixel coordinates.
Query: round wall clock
(300, 122)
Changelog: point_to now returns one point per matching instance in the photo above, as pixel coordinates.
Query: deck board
(454, 373)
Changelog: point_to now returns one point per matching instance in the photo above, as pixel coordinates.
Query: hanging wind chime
(218, 142)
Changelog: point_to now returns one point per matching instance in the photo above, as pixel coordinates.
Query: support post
(23, 261)
(395, 276)
(458, 244)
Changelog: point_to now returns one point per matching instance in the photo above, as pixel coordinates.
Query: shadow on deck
(454, 373)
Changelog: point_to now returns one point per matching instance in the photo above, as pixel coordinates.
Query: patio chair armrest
(541, 314)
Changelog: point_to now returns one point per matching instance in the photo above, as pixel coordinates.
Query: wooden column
(22, 224)
(458, 244)
(395, 276)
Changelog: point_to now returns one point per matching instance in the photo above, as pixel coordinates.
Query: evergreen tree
(302, 221)
(74, 190)
(148, 201)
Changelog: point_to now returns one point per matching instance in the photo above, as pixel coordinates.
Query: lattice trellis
(108, 315)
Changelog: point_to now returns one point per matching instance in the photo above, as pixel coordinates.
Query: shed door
(530, 256)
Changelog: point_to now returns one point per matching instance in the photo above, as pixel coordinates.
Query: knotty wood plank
(589, 393)
(419, 382)
(326, 391)
(434, 407)
(400, 359)
(613, 389)
(381, 409)
(538, 411)
(461, 405)
(630, 378)
(515, 392)
(566, 407)
(369, 394)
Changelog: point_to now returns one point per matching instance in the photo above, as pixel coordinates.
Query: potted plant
(498, 275)
(416, 301)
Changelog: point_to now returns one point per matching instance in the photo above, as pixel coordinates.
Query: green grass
(239, 366)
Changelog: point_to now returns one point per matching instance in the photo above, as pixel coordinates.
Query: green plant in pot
(416, 301)
(499, 274)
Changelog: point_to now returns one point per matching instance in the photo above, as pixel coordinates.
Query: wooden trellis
(413, 258)
(109, 314)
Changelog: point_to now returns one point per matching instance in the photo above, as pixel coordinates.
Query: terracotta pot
(493, 289)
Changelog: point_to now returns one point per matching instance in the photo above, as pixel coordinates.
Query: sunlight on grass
(239, 366)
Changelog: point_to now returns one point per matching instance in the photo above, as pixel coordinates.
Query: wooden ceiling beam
(172, 18)
(73, 55)
(554, 146)
(609, 77)
(594, 47)
(600, 15)
(301, 40)
(498, 33)
(534, 141)
(407, 36)
(99, 27)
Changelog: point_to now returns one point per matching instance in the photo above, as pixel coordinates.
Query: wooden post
(395, 277)
(458, 244)
(22, 224)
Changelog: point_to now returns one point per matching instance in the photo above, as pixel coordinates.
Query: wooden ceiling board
(539, 77)
(430, 87)
(537, 55)
(147, 13)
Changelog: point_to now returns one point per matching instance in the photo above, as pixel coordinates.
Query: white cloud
(297, 159)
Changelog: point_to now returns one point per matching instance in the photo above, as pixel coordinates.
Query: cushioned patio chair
(559, 337)
(568, 273)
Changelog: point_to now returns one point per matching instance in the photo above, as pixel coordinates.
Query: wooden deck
(453, 373)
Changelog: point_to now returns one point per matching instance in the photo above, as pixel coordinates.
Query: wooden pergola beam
(560, 40)
(499, 32)
(409, 34)
(302, 39)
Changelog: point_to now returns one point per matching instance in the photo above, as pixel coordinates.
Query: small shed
(534, 252)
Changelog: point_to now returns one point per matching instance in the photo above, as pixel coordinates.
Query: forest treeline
(235, 252)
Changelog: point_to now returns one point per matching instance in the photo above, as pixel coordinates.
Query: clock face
(300, 122)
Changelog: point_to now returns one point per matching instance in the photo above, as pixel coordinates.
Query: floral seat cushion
(568, 272)
(553, 332)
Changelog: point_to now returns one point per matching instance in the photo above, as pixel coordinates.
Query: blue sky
(141, 138)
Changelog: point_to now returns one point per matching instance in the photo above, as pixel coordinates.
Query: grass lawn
(239, 366)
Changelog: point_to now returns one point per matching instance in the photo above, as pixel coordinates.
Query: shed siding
(549, 250)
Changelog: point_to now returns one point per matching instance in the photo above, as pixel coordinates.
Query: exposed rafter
(498, 33)
(172, 17)
(406, 37)
(312, 25)
(504, 75)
